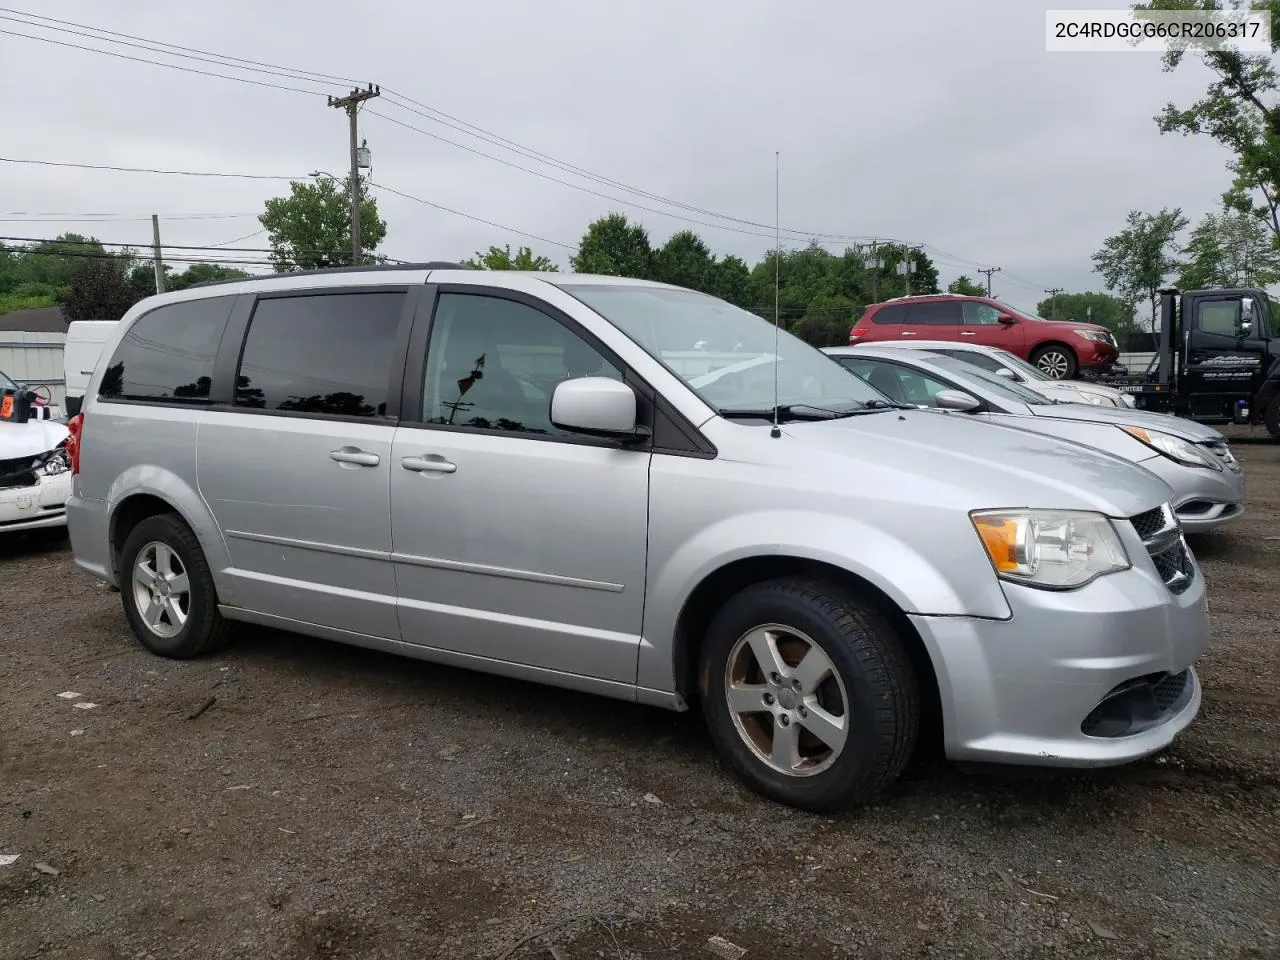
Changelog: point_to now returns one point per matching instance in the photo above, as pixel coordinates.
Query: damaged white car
(35, 465)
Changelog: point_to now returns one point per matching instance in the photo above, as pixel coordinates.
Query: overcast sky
(939, 123)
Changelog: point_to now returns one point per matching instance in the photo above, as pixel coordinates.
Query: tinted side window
(325, 354)
(978, 313)
(934, 314)
(493, 364)
(892, 314)
(167, 355)
(1220, 317)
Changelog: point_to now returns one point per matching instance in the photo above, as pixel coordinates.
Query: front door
(514, 541)
(1224, 353)
(980, 324)
(297, 470)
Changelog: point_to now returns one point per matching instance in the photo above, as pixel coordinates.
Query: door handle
(908, 333)
(432, 463)
(354, 455)
(967, 333)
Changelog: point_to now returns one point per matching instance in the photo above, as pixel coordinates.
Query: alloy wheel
(1054, 363)
(787, 700)
(161, 590)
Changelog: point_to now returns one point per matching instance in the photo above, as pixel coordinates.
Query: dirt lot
(338, 803)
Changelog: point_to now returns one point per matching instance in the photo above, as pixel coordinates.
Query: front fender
(958, 581)
(156, 481)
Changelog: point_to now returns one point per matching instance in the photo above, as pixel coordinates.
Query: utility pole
(351, 104)
(876, 263)
(159, 264)
(1053, 292)
(989, 271)
(904, 268)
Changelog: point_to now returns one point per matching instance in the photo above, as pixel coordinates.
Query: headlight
(53, 463)
(1097, 399)
(1052, 549)
(1175, 448)
(1097, 336)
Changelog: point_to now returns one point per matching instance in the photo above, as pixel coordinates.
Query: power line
(459, 213)
(175, 173)
(177, 246)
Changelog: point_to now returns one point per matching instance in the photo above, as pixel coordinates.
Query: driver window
(919, 389)
(976, 313)
(492, 364)
(1221, 317)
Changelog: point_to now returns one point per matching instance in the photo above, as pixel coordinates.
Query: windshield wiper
(792, 411)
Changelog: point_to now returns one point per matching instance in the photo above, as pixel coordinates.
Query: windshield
(725, 354)
(993, 382)
(1019, 313)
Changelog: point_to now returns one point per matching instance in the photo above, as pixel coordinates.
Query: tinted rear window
(326, 354)
(167, 355)
(942, 313)
(893, 314)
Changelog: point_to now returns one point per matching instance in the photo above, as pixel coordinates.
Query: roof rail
(429, 265)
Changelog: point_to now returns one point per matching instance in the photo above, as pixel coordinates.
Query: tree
(684, 260)
(616, 247)
(311, 228)
(502, 259)
(966, 287)
(1136, 261)
(1239, 110)
(1101, 308)
(1230, 249)
(100, 290)
(731, 281)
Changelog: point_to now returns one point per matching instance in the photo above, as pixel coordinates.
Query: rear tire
(167, 589)
(1056, 361)
(840, 718)
(1272, 418)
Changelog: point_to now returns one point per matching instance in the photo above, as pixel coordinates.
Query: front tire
(1271, 418)
(1056, 361)
(167, 589)
(809, 694)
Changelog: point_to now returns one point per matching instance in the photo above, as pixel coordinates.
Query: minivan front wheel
(1055, 361)
(167, 589)
(808, 694)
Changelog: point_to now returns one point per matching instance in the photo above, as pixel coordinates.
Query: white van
(80, 354)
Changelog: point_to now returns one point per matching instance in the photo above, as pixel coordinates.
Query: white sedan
(35, 468)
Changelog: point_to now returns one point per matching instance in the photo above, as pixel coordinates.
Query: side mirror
(1247, 316)
(598, 407)
(956, 400)
(1006, 319)
(1006, 373)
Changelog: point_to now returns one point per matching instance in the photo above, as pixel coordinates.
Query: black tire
(1271, 419)
(204, 630)
(1056, 371)
(879, 687)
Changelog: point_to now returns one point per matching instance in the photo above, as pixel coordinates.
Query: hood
(972, 464)
(1125, 417)
(30, 439)
(1083, 326)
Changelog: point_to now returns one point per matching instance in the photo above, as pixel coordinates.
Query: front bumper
(35, 507)
(1019, 691)
(1202, 499)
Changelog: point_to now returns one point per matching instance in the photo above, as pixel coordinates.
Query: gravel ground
(333, 802)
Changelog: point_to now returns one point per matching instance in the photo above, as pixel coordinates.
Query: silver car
(1194, 459)
(534, 475)
(1010, 365)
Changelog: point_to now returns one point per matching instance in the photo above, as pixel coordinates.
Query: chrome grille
(1161, 534)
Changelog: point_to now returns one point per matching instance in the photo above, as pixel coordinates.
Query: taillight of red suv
(76, 427)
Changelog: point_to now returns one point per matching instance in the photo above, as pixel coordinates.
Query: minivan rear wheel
(167, 589)
(1056, 361)
(809, 694)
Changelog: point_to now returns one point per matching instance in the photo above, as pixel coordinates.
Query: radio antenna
(776, 432)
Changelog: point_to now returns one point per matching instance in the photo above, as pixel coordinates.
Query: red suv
(1060, 348)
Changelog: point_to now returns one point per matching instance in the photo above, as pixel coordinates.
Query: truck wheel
(1272, 418)
(168, 593)
(808, 694)
(1056, 361)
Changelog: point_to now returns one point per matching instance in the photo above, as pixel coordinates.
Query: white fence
(35, 358)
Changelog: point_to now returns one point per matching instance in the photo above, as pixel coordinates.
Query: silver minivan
(640, 491)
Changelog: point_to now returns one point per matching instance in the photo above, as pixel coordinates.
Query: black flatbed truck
(1217, 359)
